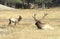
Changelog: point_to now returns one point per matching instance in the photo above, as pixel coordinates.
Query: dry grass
(26, 28)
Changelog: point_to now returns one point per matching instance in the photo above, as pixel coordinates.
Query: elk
(14, 20)
(41, 25)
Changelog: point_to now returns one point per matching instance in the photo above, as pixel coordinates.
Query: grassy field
(26, 28)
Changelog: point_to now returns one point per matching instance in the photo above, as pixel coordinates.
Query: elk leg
(9, 22)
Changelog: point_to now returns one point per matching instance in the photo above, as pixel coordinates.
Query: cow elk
(14, 20)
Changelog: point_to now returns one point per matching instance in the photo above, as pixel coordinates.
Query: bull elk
(41, 25)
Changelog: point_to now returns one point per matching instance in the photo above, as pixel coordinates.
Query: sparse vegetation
(26, 29)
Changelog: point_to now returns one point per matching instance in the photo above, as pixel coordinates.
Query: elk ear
(20, 17)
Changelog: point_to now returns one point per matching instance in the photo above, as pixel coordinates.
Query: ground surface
(26, 28)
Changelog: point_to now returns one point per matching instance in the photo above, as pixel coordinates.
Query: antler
(44, 15)
(34, 17)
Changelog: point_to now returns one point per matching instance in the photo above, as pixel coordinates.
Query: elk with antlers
(41, 25)
(14, 20)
